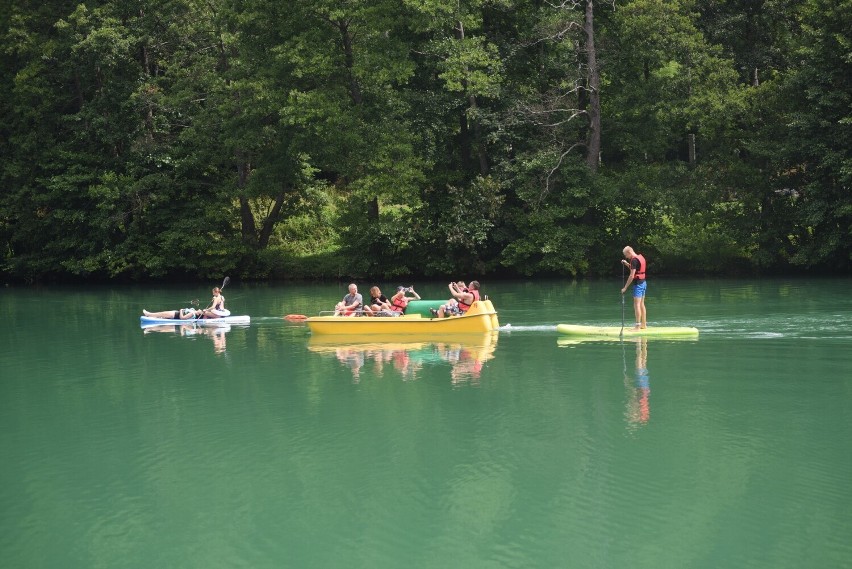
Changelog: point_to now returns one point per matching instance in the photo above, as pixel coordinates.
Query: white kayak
(151, 321)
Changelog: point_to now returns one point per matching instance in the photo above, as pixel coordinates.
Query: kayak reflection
(407, 355)
(215, 333)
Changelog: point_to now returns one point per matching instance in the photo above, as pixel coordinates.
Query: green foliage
(317, 139)
(665, 82)
(822, 123)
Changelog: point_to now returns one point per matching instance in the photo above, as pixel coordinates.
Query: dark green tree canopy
(318, 138)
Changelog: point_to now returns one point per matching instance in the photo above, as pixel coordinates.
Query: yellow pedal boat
(480, 318)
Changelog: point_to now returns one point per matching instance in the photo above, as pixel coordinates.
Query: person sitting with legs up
(351, 303)
(464, 300)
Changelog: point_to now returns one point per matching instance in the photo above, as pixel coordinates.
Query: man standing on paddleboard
(636, 263)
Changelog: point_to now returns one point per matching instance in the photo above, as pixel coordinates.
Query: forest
(326, 139)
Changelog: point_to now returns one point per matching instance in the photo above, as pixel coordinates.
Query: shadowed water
(261, 446)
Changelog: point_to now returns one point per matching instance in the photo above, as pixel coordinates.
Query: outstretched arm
(629, 278)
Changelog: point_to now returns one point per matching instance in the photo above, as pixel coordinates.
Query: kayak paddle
(621, 334)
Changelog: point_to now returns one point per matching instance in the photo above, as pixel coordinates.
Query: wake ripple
(535, 328)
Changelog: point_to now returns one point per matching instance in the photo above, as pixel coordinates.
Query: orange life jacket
(464, 307)
(640, 272)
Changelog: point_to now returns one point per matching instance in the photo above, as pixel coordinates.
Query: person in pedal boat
(182, 314)
(636, 263)
(399, 301)
(351, 303)
(452, 301)
(379, 303)
(464, 300)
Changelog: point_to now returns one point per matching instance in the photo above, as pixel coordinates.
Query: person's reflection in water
(406, 365)
(355, 359)
(219, 341)
(379, 357)
(217, 334)
(467, 367)
(638, 410)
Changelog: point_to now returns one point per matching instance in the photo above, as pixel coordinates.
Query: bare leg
(643, 314)
(169, 314)
(637, 312)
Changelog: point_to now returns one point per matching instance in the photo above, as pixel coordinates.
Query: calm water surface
(261, 446)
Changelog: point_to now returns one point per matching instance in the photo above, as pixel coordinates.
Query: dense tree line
(154, 138)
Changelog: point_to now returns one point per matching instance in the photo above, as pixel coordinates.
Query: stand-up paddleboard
(150, 321)
(616, 331)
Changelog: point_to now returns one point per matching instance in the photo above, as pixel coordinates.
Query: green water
(262, 447)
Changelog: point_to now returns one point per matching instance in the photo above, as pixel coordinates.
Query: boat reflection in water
(215, 333)
(407, 355)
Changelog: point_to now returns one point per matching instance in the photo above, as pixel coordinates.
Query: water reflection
(637, 380)
(407, 356)
(215, 333)
(638, 386)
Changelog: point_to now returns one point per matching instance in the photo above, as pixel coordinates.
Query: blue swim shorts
(639, 289)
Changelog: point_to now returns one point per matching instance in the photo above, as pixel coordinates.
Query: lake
(260, 446)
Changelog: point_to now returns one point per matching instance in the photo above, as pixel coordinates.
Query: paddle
(224, 284)
(621, 334)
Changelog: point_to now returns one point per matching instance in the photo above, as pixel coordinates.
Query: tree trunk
(593, 144)
(464, 141)
(349, 58)
(480, 144)
(271, 219)
(149, 108)
(692, 148)
(355, 93)
(467, 145)
(247, 226)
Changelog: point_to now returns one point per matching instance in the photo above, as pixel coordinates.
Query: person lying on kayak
(464, 299)
(182, 314)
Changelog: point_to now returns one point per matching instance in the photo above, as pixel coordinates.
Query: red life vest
(399, 304)
(640, 272)
(464, 307)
